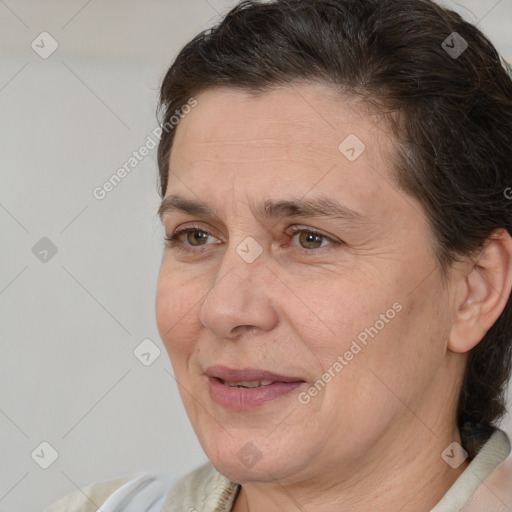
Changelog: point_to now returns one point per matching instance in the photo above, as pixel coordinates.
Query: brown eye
(186, 238)
(310, 240)
(195, 237)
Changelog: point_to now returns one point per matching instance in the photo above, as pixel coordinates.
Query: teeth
(248, 383)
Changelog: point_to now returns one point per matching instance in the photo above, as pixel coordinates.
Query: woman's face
(347, 307)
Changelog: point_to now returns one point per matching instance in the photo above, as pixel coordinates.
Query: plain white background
(69, 325)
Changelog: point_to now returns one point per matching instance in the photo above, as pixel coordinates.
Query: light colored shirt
(484, 486)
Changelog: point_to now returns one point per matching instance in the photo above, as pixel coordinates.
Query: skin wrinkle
(364, 241)
(269, 144)
(378, 428)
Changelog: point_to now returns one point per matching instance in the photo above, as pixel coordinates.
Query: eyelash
(174, 242)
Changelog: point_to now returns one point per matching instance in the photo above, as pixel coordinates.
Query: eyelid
(297, 228)
(185, 229)
(196, 225)
(291, 231)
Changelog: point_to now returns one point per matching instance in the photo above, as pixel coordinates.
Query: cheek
(177, 314)
(345, 308)
(406, 355)
(370, 323)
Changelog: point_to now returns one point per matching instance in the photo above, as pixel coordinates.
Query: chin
(242, 461)
(237, 472)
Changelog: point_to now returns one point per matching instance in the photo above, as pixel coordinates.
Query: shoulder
(495, 492)
(141, 493)
(88, 498)
(204, 488)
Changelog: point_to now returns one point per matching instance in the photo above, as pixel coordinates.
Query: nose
(242, 297)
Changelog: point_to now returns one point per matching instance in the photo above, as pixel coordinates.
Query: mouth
(248, 383)
(246, 388)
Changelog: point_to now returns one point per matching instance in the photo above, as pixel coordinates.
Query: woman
(334, 293)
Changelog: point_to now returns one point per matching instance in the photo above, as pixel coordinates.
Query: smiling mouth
(248, 383)
(233, 392)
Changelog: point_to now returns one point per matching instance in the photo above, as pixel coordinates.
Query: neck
(405, 476)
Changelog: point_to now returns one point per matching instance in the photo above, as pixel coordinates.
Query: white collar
(491, 455)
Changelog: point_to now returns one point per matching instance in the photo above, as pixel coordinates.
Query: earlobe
(484, 292)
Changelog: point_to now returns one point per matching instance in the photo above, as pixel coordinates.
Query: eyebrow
(316, 207)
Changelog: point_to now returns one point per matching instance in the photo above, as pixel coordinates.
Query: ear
(482, 293)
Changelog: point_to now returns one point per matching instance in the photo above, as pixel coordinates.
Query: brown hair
(453, 125)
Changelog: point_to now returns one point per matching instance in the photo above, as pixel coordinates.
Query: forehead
(304, 120)
(293, 138)
(235, 150)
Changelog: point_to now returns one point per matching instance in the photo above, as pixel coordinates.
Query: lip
(238, 375)
(247, 398)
